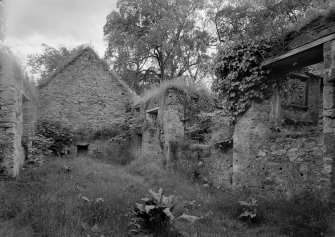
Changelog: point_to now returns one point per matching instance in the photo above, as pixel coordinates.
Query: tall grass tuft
(179, 83)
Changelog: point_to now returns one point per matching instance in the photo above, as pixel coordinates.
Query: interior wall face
(329, 116)
(12, 155)
(279, 162)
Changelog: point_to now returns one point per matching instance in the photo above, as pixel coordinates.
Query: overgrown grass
(180, 83)
(49, 200)
(303, 215)
(112, 152)
(62, 198)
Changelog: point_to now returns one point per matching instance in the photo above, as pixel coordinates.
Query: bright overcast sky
(55, 22)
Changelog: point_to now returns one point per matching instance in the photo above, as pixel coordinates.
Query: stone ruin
(186, 128)
(15, 115)
(282, 146)
(287, 144)
(83, 94)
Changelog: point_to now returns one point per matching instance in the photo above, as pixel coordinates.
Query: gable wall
(84, 95)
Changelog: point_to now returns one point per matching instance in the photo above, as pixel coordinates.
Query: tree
(48, 61)
(249, 19)
(154, 40)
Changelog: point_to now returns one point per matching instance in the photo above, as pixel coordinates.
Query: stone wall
(12, 156)
(302, 101)
(251, 131)
(288, 163)
(205, 163)
(84, 95)
(280, 160)
(204, 154)
(329, 116)
(173, 125)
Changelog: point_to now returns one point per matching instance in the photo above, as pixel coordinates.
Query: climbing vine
(240, 77)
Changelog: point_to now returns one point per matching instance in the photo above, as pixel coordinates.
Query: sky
(55, 22)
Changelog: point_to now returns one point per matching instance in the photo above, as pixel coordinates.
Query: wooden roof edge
(299, 75)
(300, 49)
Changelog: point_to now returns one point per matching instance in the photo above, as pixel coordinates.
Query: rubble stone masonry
(84, 94)
(11, 153)
(329, 115)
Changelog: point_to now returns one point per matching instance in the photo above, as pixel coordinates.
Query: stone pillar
(276, 114)
(173, 126)
(251, 131)
(329, 117)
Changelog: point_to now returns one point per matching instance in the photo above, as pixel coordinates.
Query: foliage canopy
(151, 41)
(249, 19)
(45, 63)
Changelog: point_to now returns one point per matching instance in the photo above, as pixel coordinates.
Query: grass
(50, 201)
(112, 152)
(179, 83)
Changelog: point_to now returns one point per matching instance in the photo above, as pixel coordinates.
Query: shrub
(60, 134)
(156, 215)
(40, 147)
(3, 149)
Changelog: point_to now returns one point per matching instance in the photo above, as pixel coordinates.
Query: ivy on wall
(240, 77)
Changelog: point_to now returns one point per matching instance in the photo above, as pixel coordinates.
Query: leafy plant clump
(40, 148)
(3, 148)
(156, 215)
(249, 211)
(59, 134)
(240, 77)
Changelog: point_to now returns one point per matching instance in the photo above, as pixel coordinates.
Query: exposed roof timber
(305, 55)
(154, 110)
(299, 76)
(24, 97)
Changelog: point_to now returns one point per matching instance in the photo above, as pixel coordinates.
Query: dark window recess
(152, 115)
(296, 96)
(139, 139)
(136, 111)
(82, 149)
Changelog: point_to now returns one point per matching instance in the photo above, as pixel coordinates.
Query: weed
(249, 211)
(180, 83)
(305, 215)
(112, 152)
(302, 215)
(156, 215)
